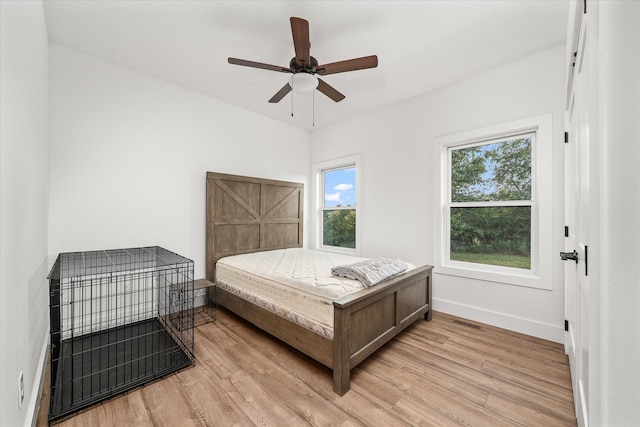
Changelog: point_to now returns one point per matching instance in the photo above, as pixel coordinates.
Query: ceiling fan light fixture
(303, 82)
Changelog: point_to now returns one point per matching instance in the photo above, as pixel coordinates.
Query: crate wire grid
(119, 318)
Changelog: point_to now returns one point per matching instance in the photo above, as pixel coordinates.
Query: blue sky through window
(340, 187)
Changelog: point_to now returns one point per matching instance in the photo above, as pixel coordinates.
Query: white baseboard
(513, 323)
(33, 404)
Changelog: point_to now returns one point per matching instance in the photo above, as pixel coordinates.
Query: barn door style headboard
(246, 214)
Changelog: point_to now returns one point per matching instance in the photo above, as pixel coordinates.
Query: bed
(247, 215)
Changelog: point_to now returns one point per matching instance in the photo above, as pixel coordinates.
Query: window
(489, 203)
(339, 207)
(337, 218)
(494, 213)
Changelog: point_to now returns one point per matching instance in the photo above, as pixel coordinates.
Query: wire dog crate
(119, 319)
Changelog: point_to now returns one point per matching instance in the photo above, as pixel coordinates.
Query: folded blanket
(372, 271)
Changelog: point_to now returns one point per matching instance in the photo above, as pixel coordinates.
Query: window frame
(539, 274)
(319, 169)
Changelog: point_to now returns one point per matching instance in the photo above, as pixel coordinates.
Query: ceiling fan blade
(348, 65)
(280, 94)
(329, 91)
(244, 62)
(301, 43)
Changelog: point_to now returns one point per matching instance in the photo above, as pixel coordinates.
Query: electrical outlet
(20, 389)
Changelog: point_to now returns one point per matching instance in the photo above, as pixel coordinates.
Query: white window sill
(497, 274)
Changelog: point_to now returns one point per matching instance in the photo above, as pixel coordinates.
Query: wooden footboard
(366, 320)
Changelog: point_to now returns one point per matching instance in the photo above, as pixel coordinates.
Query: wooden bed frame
(247, 214)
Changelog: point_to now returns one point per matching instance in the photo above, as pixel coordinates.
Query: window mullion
(489, 204)
(340, 208)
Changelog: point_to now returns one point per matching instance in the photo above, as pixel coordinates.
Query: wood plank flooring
(447, 372)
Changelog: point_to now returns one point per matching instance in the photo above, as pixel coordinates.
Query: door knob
(569, 255)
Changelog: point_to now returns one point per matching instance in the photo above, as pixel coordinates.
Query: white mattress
(296, 283)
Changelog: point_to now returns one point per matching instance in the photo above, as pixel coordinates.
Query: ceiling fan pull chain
(291, 97)
(313, 108)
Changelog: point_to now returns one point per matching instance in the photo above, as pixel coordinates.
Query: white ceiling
(421, 45)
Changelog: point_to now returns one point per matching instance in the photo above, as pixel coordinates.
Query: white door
(577, 220)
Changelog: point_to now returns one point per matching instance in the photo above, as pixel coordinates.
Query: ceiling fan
(304, 67)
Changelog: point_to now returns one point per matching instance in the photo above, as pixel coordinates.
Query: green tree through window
(490, 202)
(339, 228)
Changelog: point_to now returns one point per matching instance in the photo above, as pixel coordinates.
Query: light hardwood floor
(449, 371)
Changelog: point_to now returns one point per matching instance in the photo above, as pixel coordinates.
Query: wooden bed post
(427, 315)
(341, 350)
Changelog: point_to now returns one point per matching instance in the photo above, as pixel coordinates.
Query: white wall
(129, 155)
(23, 206)
(396, 147)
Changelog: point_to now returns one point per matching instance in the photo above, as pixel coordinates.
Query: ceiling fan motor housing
(297, 68)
